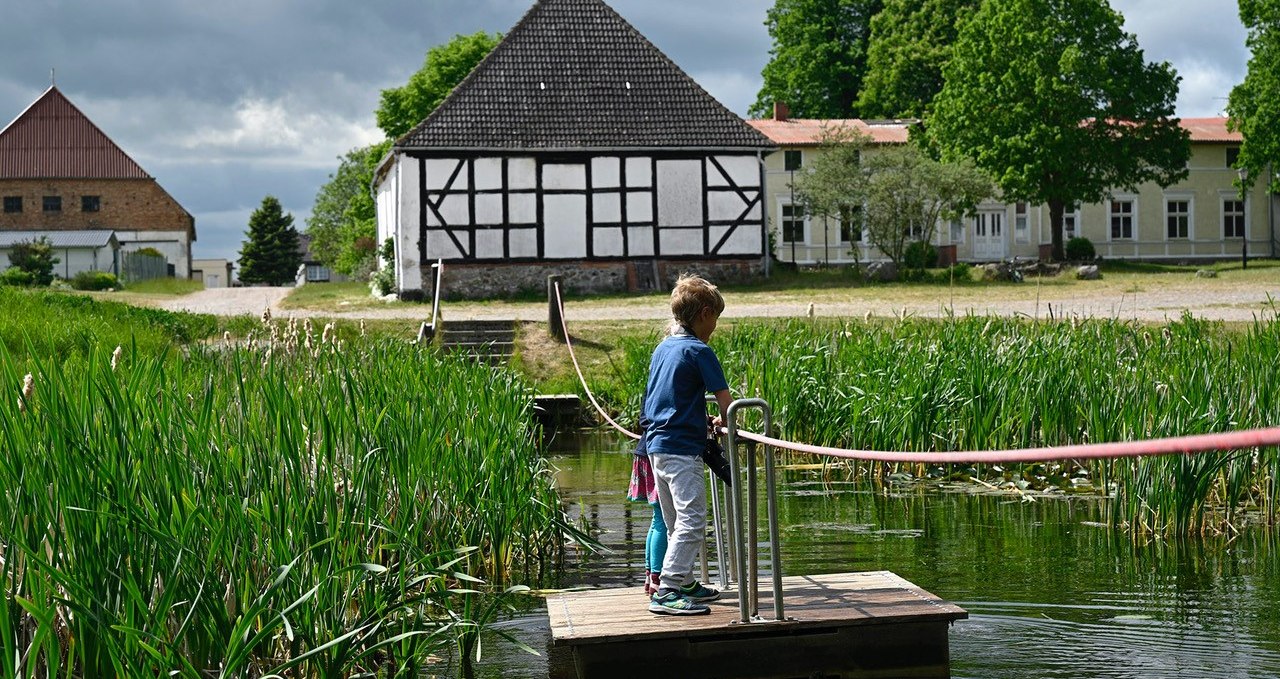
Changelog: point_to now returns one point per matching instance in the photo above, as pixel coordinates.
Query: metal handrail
(747, 549)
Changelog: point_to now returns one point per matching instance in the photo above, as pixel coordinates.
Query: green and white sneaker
(698, 592)
(668, 602)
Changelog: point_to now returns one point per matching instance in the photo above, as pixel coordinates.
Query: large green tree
(1254, 106)
(819, 56)
(1058, 104)
(910, 44)
(402, 108)
(343, 221)
(270, 252)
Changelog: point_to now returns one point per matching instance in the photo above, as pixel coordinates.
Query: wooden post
(555, 322)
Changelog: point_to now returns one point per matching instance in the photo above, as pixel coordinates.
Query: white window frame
(862, 230)
(782, 231)
(1133, 218)
(1073, 215)
(1223, 197)
(1190, 200)
(1021, 223)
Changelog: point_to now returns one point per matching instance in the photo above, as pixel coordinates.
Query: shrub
(95, 280)
(36, 258)
(150, 252)
(920, 255)
(15, 276)
(1080, 250)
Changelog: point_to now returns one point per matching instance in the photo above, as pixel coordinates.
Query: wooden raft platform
(840, 626)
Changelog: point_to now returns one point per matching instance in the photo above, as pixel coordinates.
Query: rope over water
(1180, 445)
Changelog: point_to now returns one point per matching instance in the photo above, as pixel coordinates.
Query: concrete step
(493, 341)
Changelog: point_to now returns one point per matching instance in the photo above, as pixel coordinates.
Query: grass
(165, 286)
(294, 504)
(978, 383)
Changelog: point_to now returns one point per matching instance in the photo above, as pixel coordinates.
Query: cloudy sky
(225, 102)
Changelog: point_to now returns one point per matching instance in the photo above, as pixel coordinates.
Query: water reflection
(1049, 594)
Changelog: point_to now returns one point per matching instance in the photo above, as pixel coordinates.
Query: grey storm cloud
(226, 102)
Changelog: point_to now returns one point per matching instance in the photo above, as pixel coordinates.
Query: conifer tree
(270, 253)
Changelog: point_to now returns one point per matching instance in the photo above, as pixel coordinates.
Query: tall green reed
(979, 383)
(296, 505)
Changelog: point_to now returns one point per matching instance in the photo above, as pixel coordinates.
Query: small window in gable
(53, 203)
(90, 203)
(792, 160)
(1233, 154)
(12, 204)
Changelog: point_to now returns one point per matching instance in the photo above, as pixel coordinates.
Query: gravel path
(1235, 303)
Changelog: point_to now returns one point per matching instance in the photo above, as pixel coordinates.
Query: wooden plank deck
(872, 624)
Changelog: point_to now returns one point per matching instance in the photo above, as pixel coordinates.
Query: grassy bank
(293, 505)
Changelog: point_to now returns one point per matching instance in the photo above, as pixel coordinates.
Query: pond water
(1048, 593)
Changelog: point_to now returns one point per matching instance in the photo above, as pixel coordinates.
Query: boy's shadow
(580, 342)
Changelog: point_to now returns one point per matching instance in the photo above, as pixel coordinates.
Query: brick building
(60, 172)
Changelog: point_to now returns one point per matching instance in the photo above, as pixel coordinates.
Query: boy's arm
(723, 399)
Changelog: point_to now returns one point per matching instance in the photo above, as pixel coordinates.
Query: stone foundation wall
(481, 281)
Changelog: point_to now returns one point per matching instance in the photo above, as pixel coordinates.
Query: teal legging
(655, 545)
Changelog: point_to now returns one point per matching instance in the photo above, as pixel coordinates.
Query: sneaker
(674, 603)
(698, 592)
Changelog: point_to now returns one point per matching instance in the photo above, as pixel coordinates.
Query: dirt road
(1157, 303)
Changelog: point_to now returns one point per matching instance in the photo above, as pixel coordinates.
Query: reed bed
(978, 383)
(292, 506)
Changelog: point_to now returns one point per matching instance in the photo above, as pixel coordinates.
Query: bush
(15, 276)
(36, 258)
(920, 255)
(1080, 250)
(149, 251)
(95, 280)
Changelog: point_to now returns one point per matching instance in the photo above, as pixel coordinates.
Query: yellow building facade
(1200, 218)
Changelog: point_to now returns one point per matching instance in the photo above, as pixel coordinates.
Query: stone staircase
(490, 341)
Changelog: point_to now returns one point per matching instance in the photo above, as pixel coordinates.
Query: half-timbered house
(578, 148)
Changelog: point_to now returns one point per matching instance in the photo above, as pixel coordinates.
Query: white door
(988, 235)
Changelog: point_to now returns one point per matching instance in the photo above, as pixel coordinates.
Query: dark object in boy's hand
(713, 455)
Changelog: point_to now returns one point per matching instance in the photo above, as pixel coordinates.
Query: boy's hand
(714, 424)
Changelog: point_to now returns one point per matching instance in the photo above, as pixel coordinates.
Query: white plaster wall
(639, 172)
(606, 207)
(607, 242)
(744, 170)
(524, 243)
(489, 244)
(440, 170)
(488, 174)
(640, 241)
(744, 241)
(522, 208)
(639, 207)
(174, 245)
(565, 230)
(723, 205)
(564, 176)
(680, 241)
(605, 173)
(407, 200)
(679, 194)
(522, 173)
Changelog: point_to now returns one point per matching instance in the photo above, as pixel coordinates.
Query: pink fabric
(642, 487)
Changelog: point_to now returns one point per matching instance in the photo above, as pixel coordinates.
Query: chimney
(780, 111)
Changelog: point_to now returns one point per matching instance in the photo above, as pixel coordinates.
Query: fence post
(555, 321)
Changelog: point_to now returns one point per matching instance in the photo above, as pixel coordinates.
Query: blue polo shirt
(683, 369)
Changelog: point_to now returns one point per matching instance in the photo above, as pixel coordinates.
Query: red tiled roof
(1210, 130)
(808, 132)
(53, 139)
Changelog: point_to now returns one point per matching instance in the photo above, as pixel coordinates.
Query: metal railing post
(748, 580)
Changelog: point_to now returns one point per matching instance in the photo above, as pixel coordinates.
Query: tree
(910, 44)
(1254, 106)
(270, 255)
(36, 258)
(833, 185)
(402, 108)
(819, 56)
(1056, 102)
(908, 193)
(344, 216)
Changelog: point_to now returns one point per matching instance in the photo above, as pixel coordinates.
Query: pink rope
(582, 378)
(1180, 445)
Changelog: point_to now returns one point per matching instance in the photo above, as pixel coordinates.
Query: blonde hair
(691, 295)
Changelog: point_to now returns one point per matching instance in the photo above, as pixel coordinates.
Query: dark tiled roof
(573, 74)
(53, 139)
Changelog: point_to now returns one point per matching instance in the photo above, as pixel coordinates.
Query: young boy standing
(683, 369)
